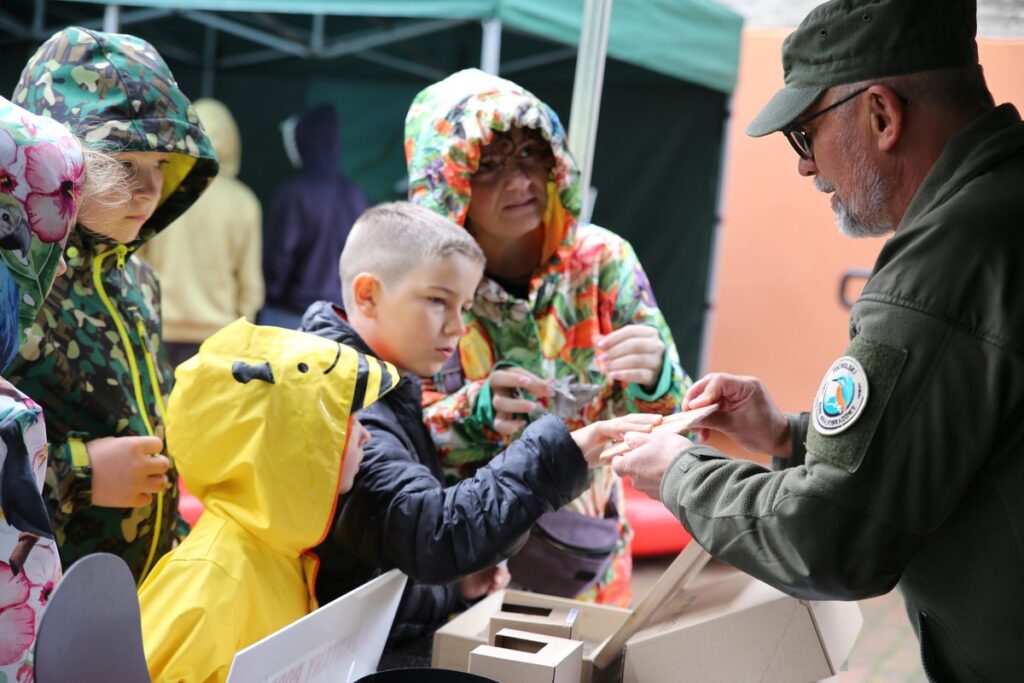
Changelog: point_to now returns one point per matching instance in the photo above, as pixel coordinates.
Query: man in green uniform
(909, 469)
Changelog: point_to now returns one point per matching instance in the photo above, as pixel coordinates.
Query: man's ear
(887, 109)
(366, 294)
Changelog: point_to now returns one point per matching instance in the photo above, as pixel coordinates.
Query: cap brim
(783, 109)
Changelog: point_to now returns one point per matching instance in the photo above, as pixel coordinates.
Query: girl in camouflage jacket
(93, 358)
(561, 304)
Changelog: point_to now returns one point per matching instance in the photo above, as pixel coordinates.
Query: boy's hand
(484, 582)
(633, 353)
(127, 470)
(506, 400)
(594, 438)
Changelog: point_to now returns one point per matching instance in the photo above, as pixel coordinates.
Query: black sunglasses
(798, 136)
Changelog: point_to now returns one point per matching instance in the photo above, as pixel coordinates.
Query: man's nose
(807, 167)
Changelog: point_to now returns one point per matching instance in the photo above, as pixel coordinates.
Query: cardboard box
(740, 629)
(719, 619)
(524, 657)
(552, 620)
(602, 629)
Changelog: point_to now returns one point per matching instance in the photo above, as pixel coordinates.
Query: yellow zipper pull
(121, 251)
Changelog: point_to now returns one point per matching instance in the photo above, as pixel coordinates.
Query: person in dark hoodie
(309, 219)
(93, 359)
(405, 306)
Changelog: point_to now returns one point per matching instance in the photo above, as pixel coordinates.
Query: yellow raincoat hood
(258, 422)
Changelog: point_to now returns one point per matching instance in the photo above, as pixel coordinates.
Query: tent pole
(586, 94)
(111, 18)
(316, 38)
(39, 19)
(209, 61)
(490, 47)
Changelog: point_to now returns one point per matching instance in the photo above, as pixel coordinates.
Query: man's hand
(649, 459)
(634, 353)
(746, 413)
(127, 470)
(484, 582)
(506, 400)
(594, 438)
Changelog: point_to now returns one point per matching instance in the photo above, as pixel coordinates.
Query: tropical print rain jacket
(259, 420)
(41, 176)
(93, 358)
(589, 283)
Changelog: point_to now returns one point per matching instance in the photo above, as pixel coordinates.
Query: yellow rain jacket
(258, 423)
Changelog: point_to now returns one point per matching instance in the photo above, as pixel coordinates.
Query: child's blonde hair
(389, 240)
(106, 181)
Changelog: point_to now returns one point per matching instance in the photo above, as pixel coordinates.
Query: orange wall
(775, 312)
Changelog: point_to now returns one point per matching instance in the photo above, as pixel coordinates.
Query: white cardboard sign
(342, 641)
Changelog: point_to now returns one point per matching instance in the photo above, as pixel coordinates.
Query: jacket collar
(982, 144)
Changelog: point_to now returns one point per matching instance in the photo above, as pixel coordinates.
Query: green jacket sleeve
(845, 523)
(68, 481)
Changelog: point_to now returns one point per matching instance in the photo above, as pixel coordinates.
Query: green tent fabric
(692, 40)
(659, 140)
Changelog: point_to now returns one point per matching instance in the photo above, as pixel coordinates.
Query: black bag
(567, 552)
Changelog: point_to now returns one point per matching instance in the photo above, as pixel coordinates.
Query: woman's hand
(634, 353)
(508, 402)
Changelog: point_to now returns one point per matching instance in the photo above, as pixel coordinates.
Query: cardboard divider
(524, 657)
(553, 621)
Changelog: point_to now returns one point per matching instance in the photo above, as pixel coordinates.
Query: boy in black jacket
(407, 275)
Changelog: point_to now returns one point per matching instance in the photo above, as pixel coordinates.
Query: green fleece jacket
(923, 489)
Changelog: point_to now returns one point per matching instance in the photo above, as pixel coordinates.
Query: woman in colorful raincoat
(564, 319)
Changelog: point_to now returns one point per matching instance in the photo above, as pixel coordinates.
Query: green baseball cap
(849, 41)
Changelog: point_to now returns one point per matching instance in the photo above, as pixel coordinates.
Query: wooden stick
(676, 424)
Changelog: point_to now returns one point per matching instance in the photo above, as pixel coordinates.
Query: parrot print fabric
(41, 177)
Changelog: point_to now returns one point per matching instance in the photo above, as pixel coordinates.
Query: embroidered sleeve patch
(850, 402)
(842, 396)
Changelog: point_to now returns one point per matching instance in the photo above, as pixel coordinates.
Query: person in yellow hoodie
(261, 424)
(209, 259)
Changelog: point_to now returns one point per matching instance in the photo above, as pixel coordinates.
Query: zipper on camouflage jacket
(121, 253)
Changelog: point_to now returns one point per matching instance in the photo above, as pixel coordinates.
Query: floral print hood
(41, 175)
(447, 124)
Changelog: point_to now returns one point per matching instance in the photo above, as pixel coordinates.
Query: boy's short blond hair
(389, 240)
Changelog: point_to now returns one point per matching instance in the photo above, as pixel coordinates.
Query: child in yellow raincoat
(258, 423)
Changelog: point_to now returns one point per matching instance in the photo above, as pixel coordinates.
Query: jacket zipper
(121, 251)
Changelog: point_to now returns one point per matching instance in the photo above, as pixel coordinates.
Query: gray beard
(861, 214)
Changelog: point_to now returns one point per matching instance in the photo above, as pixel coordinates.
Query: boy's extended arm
(398, 513)
(634, 304)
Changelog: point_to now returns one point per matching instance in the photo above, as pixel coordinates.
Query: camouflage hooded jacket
(93, 359)
(589, 283)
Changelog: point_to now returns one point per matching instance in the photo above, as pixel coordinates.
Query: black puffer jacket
(399, 514)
